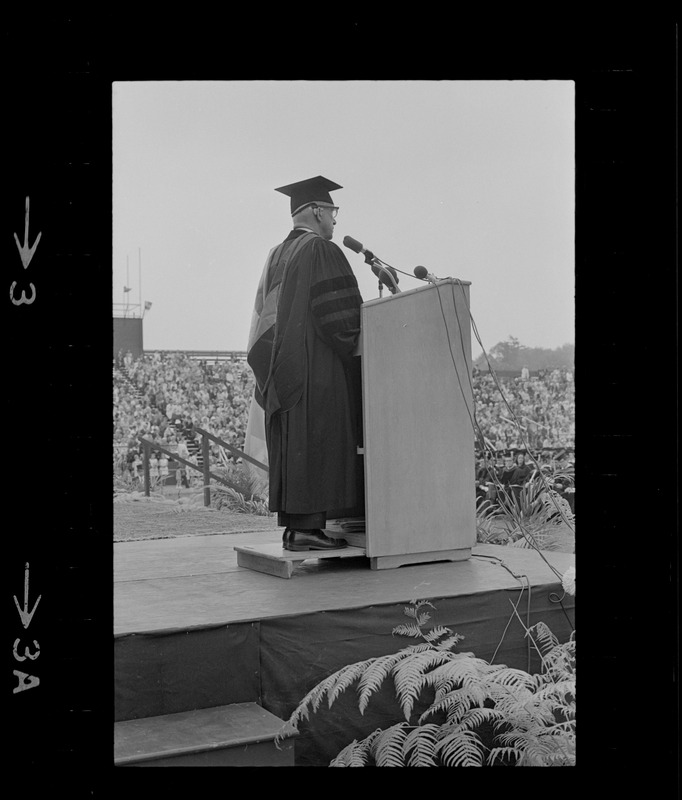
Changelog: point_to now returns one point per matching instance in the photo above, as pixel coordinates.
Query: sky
(472, 179)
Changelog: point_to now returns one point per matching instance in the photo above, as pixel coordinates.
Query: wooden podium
(418, 425)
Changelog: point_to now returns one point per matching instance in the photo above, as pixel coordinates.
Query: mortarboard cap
(312, 190)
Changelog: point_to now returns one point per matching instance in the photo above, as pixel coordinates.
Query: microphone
(423, 274)
(386, 275)
(357, 247)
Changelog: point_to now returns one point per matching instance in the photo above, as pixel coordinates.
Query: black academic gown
(312, 392)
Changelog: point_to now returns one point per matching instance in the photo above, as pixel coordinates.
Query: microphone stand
(373, 261)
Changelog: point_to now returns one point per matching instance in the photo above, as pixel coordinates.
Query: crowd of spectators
(505, 474)
(163, 396)
(542, 410)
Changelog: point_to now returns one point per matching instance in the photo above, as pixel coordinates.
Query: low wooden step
(273, 559)
(237, 735)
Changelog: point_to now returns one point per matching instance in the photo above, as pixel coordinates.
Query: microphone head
(421, 272)
(353, 244)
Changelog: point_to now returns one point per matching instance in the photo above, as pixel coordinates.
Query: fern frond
(420, 603)
(559, 690)
(422, 619)
(357, 753)
(560, 759)
(345, 677)
(387, 748)
(459, 683)
(375, 674)
(546, 639)
(515, 678)
(420, 744)
(456, 703)
(561, 728)
(537, 752)
(524, 711)
(475, 717)
(461, 749)
(408, 630)
(500, 753)
(331, 686)
(535, 741)
(287, 730)
(560, 660)
(450, 642)
(409, 676)
(350, 756)
(423, 647)
(436, 633)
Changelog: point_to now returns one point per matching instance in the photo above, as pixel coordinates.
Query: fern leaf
(387, 748)
(459, 684)
(457, 703)
(409, 611)
(514, 678)
(475, 717)
(545, 638)
(560, 660)
(346, 677)
(348, 757)
(535, 753)
(502, 753)
(560, 690)
(408, 630)
(422, 619)
(420, 746)
(409, 676)
(333, 683)
(375, 674)
(562, 728)
(461, 749)
(288, 729)
(357, 753)
(450, 642)
(423, 647)
(436, 633)
(419, 603)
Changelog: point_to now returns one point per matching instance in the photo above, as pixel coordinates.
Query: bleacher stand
(163, 395)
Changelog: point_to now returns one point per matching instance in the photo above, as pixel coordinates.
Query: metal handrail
(234, 450)
(204, 469)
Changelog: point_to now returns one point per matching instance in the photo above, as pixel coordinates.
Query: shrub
(539, 518)
(532, 717)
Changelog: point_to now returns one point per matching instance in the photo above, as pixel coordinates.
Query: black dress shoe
(312, 540)
(285, 536)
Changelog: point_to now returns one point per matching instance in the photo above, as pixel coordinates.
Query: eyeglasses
(333, 210)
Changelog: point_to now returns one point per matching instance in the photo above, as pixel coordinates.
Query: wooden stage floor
(194, 581)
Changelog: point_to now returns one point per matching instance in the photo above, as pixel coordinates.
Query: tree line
(512, 355)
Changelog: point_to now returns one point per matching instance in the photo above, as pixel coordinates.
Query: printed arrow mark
(24, 613)
(25, 251)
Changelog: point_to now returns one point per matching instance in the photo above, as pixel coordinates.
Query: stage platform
(194, 630)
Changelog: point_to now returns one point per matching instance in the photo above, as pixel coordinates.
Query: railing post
(145, 467)
(206, 467)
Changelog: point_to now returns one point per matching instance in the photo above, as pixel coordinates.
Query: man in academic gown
(304, 331)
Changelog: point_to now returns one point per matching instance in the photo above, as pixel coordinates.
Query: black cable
(554, 598)
(518, 578)
(454, 361)
(396, 269)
